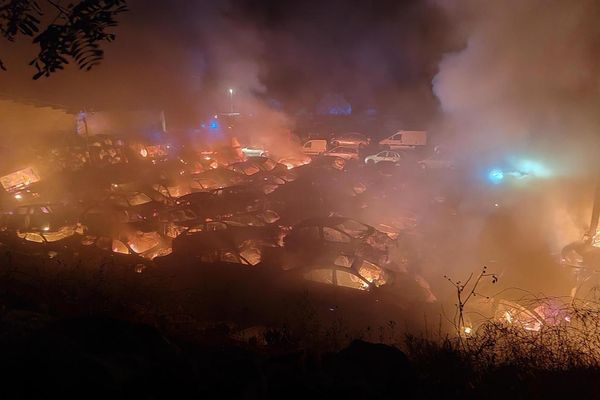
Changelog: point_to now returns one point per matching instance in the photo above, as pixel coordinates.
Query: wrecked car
(217, 178)
(350, 272)
(138, 205)
(314, 237)
(255, 165)
(40, 217)
(225, 201)
(148, 245)
(225, 241)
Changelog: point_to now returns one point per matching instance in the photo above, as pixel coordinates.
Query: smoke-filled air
(372, 199)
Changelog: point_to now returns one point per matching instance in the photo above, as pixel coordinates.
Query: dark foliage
(75, 33)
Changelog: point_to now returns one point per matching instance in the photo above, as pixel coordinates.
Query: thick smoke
(527, 79)
(526, 86)
(182, 56)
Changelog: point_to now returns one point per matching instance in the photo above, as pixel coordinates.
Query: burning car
(254, 165)
(139, 206)
(349, 272)
(172, 190)
(224, 201)
(40, 229)
(144, 244)
(137, 240)
(174, 221)
(39, 217)
(48, 234)
(312, 238)
(228, 231)
(217, 178)
(226, 241)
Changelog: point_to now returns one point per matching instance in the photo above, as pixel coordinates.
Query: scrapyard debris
(141, 205)
(313, 237)
(217, 178)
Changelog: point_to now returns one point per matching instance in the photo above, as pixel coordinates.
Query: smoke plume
(526, 79)
(525, 85)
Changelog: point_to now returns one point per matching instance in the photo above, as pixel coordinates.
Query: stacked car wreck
(159, 210)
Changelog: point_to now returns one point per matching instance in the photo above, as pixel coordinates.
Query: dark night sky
(182, 55)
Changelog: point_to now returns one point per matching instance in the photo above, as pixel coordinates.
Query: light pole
(231, 99)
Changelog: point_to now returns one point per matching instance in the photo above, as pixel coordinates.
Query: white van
(315, 147)
(405, 140)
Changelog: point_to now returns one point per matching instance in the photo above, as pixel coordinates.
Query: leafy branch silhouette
(75, 33)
